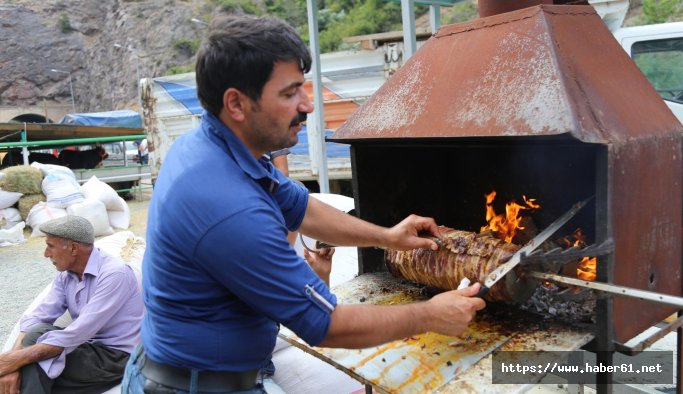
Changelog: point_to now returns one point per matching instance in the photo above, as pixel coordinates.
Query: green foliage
(659, 11)
(367, 17)
(238, 7)
(292, 11)
(186, 45)
(179, 70)
(462, 12)
(64, 24)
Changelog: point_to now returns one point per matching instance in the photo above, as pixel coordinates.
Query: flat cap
(70, 227)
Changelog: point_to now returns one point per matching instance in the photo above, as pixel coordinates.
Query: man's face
(60, 251)
(274, 120)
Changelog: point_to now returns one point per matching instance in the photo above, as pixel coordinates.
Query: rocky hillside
(102, 43)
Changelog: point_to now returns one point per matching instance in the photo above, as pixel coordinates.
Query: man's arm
(361, 326)
(328, 224)
(11, 382)
(13, 360)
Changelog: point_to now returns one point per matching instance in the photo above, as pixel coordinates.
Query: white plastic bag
(48, 169)
(12, 217)
(13, 235)
(95, 212)
(120, 219)
(61, 190)
(41, 213)
(127, 246)
(98, 190)
(7, 199)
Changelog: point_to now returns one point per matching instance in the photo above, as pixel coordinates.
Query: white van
(116, 153)
(658, 51)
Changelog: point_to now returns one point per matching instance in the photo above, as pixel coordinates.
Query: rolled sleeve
(53, 367)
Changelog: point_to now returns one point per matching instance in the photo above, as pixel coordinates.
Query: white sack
(127, 246)
(48, 169)
(95, 212)
(61, 190)
(7, 199)
(120, 219)
(12, 235)
(41, 213)
(98, 190)
(11, 216)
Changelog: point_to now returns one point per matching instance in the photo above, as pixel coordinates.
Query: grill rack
(559, 255)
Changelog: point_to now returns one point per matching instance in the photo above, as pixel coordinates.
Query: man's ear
(234, 104)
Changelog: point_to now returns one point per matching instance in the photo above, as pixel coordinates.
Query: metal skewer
(613, 289)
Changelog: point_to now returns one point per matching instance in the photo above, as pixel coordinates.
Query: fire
(579, 239)
(506, 226)
(587, 266)
(586, 269)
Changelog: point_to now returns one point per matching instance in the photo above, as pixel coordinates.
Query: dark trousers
(90, 368)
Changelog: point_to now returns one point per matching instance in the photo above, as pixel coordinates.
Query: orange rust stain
(431, 352)
(423, 371)
(378, 353)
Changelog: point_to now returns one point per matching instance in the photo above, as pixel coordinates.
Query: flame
(587, 266)
(577, 239)
(505, 226)
(586, 269)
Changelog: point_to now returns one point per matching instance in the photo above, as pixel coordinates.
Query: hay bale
(27, 201)
(22, 179)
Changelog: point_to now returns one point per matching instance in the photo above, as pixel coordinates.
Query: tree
(659, 11)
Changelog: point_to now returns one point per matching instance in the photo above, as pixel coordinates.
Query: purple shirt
(106, 307)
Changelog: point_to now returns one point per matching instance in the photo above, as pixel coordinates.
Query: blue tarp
(123, 118)
(333, 149)
(184, 94)
(183, 90)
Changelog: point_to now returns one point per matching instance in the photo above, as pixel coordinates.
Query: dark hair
(240, 52)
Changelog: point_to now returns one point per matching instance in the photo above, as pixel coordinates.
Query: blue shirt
(218, 272)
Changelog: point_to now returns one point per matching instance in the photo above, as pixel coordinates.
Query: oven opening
(464, 185)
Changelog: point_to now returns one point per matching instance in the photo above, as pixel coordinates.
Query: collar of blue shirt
(261, 170)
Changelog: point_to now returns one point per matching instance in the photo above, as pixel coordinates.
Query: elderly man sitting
(101, 294)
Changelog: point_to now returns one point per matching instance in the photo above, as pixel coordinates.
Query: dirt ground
(24, 272)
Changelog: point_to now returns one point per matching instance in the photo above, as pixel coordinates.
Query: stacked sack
(21, 189)
(11, 225)
(48, 192)
(118, 213)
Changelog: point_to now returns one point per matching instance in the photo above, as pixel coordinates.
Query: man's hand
(321, 262)
(453, 310)
(10, 383)
(360, 326)
(414, 232)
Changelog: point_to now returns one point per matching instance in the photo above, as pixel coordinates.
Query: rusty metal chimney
(495, 7)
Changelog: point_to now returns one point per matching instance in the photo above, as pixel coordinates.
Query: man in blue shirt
(219, 275)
